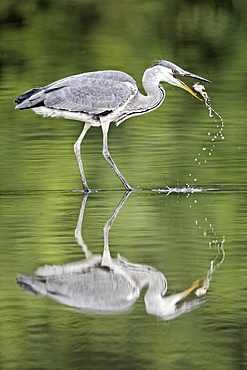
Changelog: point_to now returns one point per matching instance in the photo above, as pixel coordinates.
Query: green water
(176, 233)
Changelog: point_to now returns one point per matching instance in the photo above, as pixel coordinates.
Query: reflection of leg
(77, 150)
(107, 156)
(106, 258)
(78, 229)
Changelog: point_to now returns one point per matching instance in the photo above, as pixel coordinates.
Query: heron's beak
(187, 88)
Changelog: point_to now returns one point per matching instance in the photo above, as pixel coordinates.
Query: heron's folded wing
(90, 93)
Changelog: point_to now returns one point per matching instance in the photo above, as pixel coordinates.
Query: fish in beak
(184, 86)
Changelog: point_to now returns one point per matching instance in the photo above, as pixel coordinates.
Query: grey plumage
(99, 98)
(94, 93)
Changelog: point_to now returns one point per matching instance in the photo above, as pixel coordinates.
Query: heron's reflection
(105, 285)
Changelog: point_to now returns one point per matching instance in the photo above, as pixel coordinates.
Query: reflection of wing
(93, 93)
(97, 290)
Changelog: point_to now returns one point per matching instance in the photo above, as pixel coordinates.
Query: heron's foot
(131, 189)
(85, 191)
(90, 191)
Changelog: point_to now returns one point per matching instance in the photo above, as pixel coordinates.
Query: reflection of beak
(194, 285)
(185, 87)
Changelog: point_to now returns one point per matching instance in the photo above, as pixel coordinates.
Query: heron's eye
(174, 71)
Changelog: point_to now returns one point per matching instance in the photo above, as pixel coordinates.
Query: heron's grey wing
(93, 93)
(95, 290)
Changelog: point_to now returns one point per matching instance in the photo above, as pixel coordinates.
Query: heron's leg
(107, 155)
(77, 150)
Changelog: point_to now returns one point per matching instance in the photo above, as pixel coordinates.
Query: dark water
(196, 228)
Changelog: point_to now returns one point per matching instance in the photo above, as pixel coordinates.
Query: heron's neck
(155, 282)
(157, 286)
(151, 83)
(145, 276)
(141, 104)
(155, 93)
(156, 304)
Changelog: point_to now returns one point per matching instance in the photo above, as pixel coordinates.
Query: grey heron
(101, 97)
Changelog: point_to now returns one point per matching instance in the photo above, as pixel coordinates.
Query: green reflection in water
(155, 229)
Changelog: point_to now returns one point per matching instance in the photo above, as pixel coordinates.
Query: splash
(207, 150)
(212, 114)
(184, 190)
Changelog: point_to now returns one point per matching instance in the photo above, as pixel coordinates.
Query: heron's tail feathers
(30, 98)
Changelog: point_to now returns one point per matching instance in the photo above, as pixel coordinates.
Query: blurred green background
(42, 41)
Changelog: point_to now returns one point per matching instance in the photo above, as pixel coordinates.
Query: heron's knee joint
(105, 153)
(76, 147)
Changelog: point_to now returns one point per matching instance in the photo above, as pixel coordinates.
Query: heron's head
(170, 73)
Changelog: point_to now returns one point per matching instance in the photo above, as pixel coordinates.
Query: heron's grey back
(97, 289)
(92, 92)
